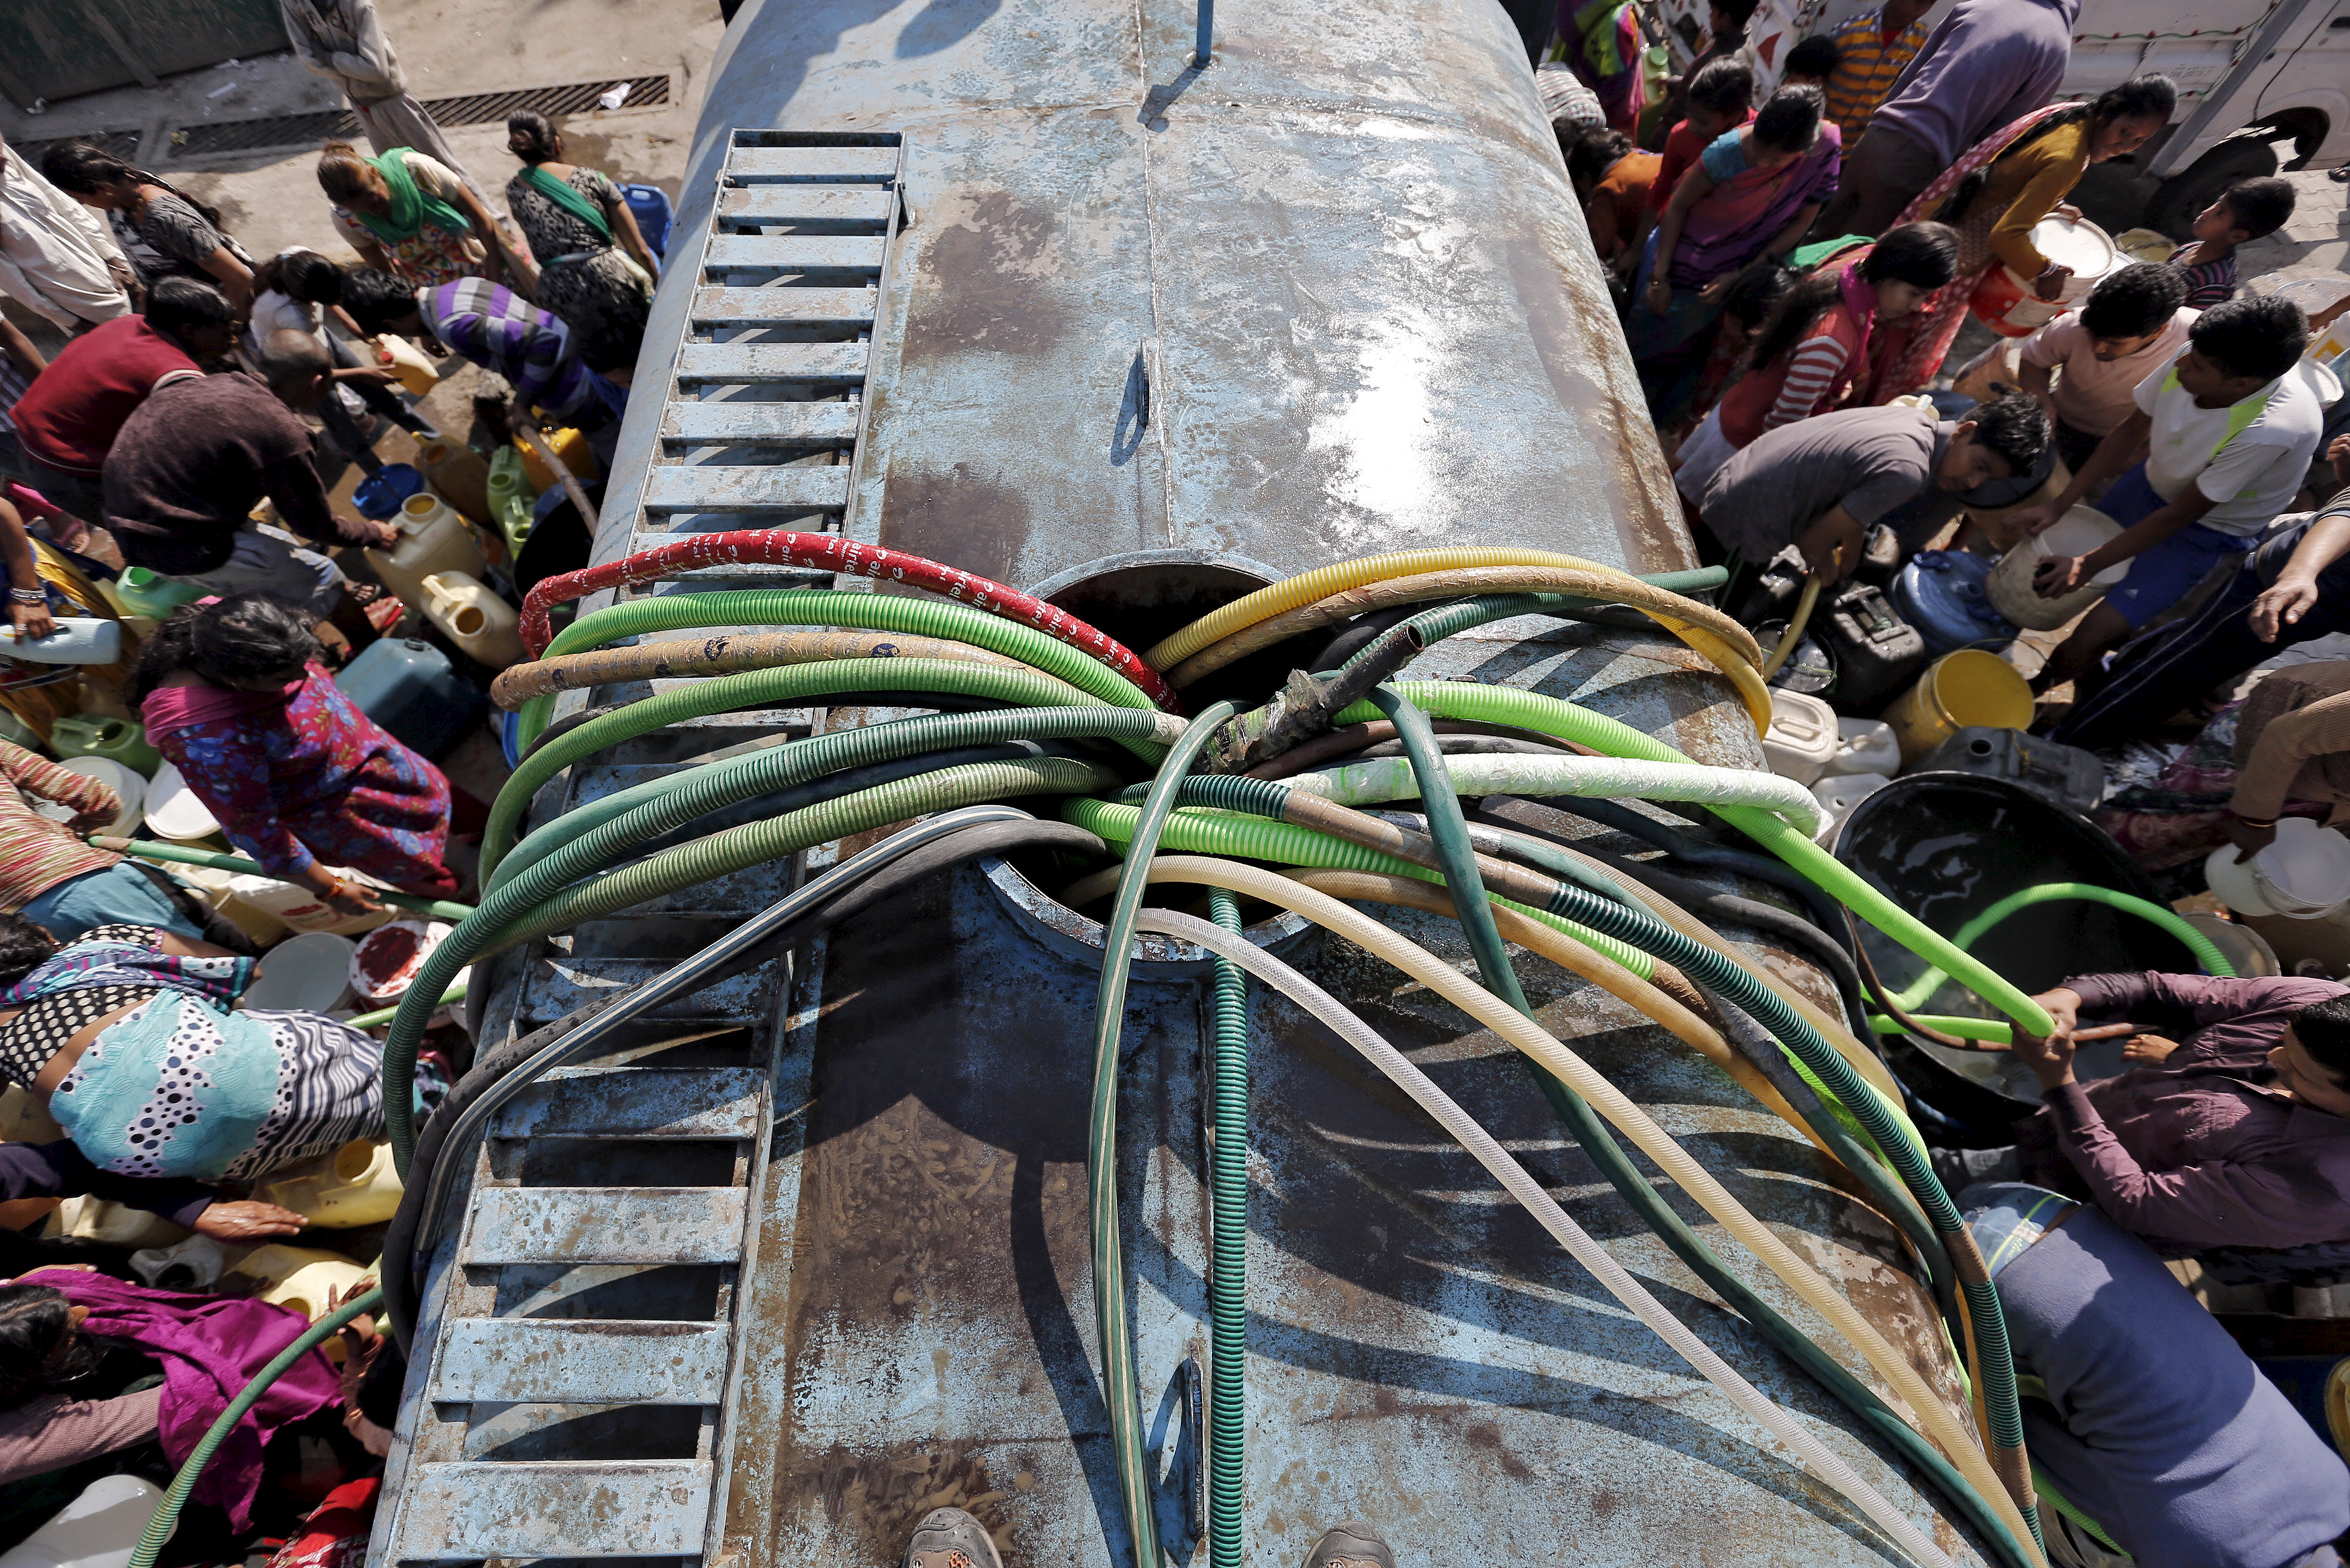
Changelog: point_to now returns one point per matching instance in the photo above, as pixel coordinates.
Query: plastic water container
(511, 497)
(2305, 874)
(1838, 794)
(99, 1528)
(650, 205)
(188, 1265)
(1940, 592)
(1865, 746)
(380, 493)
(302, 1278)
(262, 927)
(2004, 302)
(98, 735)
(149, 593)
(418, 372)
(411, 689)
(475, 618)
(78, 640)
(459, 476)
(297, 908)
(2066, 775)
(111, 1224)
(174, 812)
(432, 538)
(1801, 738)
(1873, 650)
(306, 973)
(1959, 690)
(129, 786)
(357, 1184)
(570, 448)
(2009, 585)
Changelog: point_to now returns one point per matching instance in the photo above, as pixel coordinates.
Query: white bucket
(1865, 746)
(2009, 585)
(381, 972)
(122, 781)
(298, 908)
(308, 973)
(99, 1528)
(1802, 736)
(2305, 874)
(174, 811)
(1838, 794)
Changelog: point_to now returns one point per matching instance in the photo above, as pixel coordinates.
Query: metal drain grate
(122, 144)
(215, 137)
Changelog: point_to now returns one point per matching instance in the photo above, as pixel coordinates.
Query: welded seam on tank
(1169, 536)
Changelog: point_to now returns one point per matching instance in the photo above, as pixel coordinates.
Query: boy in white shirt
(2132, 324)
(2217, 447)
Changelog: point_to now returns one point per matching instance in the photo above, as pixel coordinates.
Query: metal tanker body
(802, 1252)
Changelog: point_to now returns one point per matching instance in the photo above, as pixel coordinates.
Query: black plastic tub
(1948, 845)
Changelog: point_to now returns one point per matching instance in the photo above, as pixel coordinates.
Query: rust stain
(964, 515)
(987, 284)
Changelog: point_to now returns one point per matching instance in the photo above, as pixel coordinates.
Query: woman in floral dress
(594, 270)
(298, 778)
(413, 217)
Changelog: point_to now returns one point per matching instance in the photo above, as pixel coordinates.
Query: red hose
(830, 552)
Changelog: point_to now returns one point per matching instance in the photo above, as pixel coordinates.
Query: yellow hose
(1544, 941)
(1308, 586)
(1794, 632)
(1614, 587)
(1491, 1013)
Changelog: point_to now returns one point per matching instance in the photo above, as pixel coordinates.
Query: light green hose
(1199, 831)
(827, 606)
(2207, 952)
(236, 865)
(1530, 710)
(167, 1512)
(735, 849)
(1607, 778)
(1997, 1030)
(794, 683)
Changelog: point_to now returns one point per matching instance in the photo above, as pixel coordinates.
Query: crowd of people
(198, 387)
(1794, 266)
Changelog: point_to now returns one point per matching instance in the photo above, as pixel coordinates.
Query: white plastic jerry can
(475, 618)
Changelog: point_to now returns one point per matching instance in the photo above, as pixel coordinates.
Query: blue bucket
(650, 205)
(380, 495)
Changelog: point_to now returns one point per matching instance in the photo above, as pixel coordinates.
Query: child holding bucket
(2219, 444)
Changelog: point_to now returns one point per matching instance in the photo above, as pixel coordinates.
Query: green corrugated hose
(1228, 1039)
(438, 908)
(167, 1512)
(510, 916)
(794, 683)
(2207, 952)
(1997, 1030)
(828, 607)
(838, 750)
(1532, 711)
(1121, 1392)
(1466, 615)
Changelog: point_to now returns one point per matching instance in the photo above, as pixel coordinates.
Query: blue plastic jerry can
(411, 690)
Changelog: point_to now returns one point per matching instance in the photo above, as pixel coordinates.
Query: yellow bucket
(1970, 687)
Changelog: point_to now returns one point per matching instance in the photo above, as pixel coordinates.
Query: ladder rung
(760, 423)
(747, 364)
(793, 253)
(607, 1225)
(638, 1102)
(842, 309)
(589, 1361)
(824, 164)
(805, 204)
(648, 1508)
(710, 487)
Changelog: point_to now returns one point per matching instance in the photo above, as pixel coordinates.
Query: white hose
(1806, 1279)
(1578, 1244)
(1613, 778)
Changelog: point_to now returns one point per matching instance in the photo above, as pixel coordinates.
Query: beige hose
(1608, 588)
(724, 656)
(1489, 1012)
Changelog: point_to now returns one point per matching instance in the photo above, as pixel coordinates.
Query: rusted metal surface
(643, 1510)
(683, 1225)
(586, 1362)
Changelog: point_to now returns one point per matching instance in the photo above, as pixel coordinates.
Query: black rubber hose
(402, 1242)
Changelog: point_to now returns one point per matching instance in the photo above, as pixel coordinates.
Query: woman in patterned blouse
(296, 774)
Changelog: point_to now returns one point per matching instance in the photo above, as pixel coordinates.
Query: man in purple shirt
(1988, 63)
(2238, 1135)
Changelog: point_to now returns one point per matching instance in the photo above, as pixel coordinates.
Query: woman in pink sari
(1753, 191)
(2006, 184)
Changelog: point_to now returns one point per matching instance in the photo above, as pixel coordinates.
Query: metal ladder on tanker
(591, 1301)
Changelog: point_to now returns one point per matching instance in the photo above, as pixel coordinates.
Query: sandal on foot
(949, 1538)
(1349, 1543)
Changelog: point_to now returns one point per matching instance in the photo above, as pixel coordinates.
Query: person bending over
(2086, 364)
(2230, 1128)
(2218, 445)
(1819, 483)
(2205, 1465)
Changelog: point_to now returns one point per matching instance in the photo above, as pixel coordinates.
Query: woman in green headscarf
(412, 216)
(594, 270)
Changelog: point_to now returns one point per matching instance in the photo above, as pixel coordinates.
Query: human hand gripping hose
(1528, 1192)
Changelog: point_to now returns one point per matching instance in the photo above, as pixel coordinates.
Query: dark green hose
(167, 1512)
(1121, 1392)
(1228, 1031)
